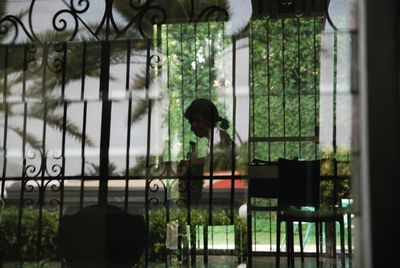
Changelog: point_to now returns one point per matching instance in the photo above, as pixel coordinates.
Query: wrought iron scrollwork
(29, 186)
(55, 187)
(156, 184)
(5, 28)
(34, 63)
(56, 60)
(155, 62)
(42, 176)
(139, 3)
(208, 12)
(153, 15)
(60, 24)
(32, 170)
(154, 187)
(42, 167)
(69, 21)
(55, 169)
(41, 188)
(328, 17)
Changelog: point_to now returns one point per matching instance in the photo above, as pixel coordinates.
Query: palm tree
(15, 70)
(178, 11)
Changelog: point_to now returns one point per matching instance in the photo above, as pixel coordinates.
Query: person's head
(203, 117)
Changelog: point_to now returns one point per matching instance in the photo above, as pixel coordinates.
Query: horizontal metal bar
(287, 138)
(122, 177)
(215, 177)
(262, 208)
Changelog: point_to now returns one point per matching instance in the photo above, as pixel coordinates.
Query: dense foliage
(49, 222)
(285, 85)
(284, 94)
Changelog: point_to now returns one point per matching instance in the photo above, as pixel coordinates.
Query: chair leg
(288, 247)
(349, 240)
(342, 241)
(205, 244)
(317, 241)
(193, 240)
(249, 240)
(290, 243)
(321, 238)
(278, 242)
(301, 242)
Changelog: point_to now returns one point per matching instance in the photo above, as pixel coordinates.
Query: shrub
(25, 228)
(28, 232)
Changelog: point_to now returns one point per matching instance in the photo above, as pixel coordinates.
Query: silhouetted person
(205, 122)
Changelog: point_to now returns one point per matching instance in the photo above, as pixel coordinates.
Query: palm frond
(94, 170)
(140, 110)
(29, 138)
(56, 122)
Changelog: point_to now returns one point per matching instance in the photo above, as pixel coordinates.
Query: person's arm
(225, 139)
(191, 166)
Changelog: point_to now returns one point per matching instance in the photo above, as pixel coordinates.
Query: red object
(226, 183)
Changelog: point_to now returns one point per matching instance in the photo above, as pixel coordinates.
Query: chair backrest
(263, 180)
(299, 183)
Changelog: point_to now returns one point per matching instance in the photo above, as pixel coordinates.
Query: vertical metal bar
(315, 83)
(4, 172)
(196, 84)
(210, 201)
(268, 91)
(182, 94)
(210, 61)
(183, 132)
(233, 152)
(83, 72)
(210, 197)
(269, 115)
(64, 65)
(105, 120)
(167, 218)
(255, 230)
(283, 84)
(335, 60)
(335, 182)
(129, 122)
(108, 15)
(44, 157)
(251, 152)
(83, 153)
(335, 47)
(205, 239)
(249, 228)
(209, 223)
(21, 199)
(299, 85)
(189, 188)
(147, 153)
(84, 119)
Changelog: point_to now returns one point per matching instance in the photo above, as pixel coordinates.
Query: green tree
(285, 84)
